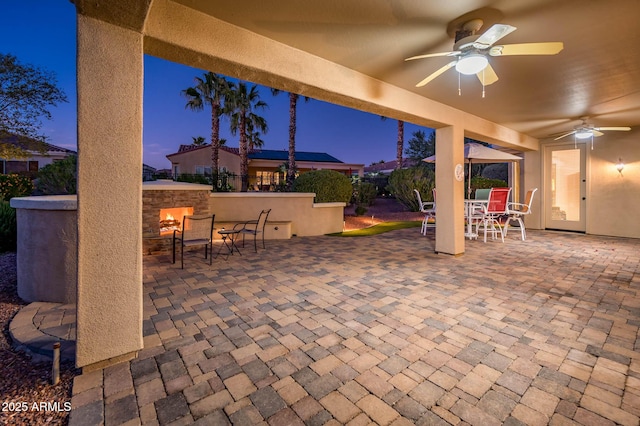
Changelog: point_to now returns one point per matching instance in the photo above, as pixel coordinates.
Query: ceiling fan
(587, 131)
(473, 51)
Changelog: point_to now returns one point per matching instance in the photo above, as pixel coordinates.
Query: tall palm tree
(212, 89)
(241, 106)
(293, 105)
(399, 143)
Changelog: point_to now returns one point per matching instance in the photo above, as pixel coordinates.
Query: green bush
(364, 193)
(484, 183)
(329, 186)
(58, 178)
(402, 183)
(8, 227)
(189, 178)
(14, 185)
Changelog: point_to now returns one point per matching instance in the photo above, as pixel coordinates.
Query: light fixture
(472, 64)
(584, 133)
(620, 166)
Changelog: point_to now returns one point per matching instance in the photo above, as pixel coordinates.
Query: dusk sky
(43, 33)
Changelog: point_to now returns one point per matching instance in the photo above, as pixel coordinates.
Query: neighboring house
(265, 165)
(387, 167)
(37, 160)
(148, 172)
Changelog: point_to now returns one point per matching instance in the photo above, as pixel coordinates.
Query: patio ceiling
(596, 75)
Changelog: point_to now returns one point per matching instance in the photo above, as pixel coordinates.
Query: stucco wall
(47, 248)
(187, 161)
(306, 218)
(612, 200)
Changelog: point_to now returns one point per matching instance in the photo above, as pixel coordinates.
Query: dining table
(472, 214)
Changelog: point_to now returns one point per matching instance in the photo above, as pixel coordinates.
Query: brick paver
(325, 330)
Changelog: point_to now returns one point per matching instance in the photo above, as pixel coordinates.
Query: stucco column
(450, 191)
(110, 84)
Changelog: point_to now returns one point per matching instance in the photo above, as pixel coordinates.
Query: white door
(565, 187)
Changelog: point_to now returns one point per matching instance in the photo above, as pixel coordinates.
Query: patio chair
(482, 194)
(517, 211)
(196, 231)
(429, 210)
(254, 227)
(492, 211)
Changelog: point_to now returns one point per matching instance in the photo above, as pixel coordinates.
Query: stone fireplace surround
(161, 194)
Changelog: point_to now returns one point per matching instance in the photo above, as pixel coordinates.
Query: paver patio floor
(381, 330)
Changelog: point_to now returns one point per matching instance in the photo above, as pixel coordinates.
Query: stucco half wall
(307, 218)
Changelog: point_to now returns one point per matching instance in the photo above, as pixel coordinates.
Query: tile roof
(29, 144)
(267, 154)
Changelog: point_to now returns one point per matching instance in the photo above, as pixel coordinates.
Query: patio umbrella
(477, 153)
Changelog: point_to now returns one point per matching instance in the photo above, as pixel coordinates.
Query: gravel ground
(23, 381)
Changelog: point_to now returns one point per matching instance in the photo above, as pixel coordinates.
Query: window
(203, 170)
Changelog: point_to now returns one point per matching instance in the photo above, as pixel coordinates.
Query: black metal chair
(254, 227)
(196, 231)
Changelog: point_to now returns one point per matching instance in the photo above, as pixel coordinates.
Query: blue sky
(43, 33)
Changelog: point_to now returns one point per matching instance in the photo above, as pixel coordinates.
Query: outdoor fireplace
(171, 219)
(164, 206)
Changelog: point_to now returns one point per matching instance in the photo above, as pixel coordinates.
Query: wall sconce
(620, 166)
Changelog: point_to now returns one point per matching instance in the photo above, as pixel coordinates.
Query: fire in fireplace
(171, 219)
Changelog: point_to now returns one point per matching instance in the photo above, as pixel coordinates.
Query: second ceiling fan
(472, 51)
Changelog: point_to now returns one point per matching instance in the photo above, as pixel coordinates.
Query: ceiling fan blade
(487, 76)
(548, 48)
(624, 129)
(564, 135)
(596, 133)
(493, 34)
(433, 55)
(436, 74)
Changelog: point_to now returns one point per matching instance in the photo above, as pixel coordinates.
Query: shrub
(360, 210)
(484, 183)
(402, 183)
(14, 185)
(329, 186)
(8, 227)
(58, 178)
(364, 193)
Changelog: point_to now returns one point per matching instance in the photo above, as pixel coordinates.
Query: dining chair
(492, 211)
(517, 211)
(429, 210)
(196, 231)
(254, 227)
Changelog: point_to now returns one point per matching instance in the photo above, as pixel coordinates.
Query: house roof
(30, 144)
(266, 154)
(389, 166)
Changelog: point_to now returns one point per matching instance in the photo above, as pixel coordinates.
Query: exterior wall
(187, 161)
(307, 218)
(612, 201)
(45, 274)
(43, 160)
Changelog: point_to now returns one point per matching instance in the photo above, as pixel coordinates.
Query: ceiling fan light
(584, 134)
(472, 64)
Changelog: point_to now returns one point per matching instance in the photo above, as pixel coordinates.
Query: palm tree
(293, 103)
(399, 143)
(241, 106)
(212, 89)
(198, 140)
